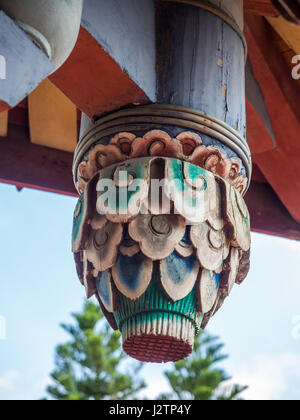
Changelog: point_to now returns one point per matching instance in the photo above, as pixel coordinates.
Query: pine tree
(88, 366)
(197, 378)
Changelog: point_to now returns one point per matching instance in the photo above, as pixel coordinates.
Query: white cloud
(270, 377)
(8, 380)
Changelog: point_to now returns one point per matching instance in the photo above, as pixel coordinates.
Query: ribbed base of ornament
(158, 337)
(155, 329)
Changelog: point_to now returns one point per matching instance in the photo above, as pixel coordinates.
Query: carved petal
(185, 247)
(218, 304)
(210, 245)
(215, 217)
(122, 190)
(103, 155)
(207, 288)
(88, 278)
(78, 257)
(108, 315)
(98, 222)
(124, 141)
(156, 143)
(157, 235)
(240, 183)
(244, 267)
(236, 215)
(128, 247)
(178, 275)
(132, 275)
(230, 272)
(83, 214)
(189, 142)
(105, 290)
(103, 247)
(187, 187)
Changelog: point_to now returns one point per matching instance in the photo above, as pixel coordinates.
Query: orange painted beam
(267, 213)
(258, 137)
(93, 81)
(3, 123)
(281, 94)
(260, 7)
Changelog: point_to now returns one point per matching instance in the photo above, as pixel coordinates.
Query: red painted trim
(267, 213)
(280, 166)
(259, 7)
(4, 106)
(258, 136)
(56, 190)
(28, 165)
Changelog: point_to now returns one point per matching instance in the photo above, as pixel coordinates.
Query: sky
(259, 323)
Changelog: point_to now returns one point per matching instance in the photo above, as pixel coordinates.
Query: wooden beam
(289, 32)
(52, 118)
(28, 165)
(93, 81)
(3, 123)
(281, 93)
(260, 133)
(267, 213)
(259, 7)
(258, 137)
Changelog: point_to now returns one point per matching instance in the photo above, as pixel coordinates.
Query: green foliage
(87, 367)
(197, 378)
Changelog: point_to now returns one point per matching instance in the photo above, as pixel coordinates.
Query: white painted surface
(57, 20)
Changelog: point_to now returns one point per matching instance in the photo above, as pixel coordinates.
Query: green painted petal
(207, 290)
(187, 187)
(122, 189)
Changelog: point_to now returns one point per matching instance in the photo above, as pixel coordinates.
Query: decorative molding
(146, 118)
(187, 146)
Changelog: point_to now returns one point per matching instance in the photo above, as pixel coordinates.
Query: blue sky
(260, 321)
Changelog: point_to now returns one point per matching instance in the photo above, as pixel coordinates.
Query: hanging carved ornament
(159, 240)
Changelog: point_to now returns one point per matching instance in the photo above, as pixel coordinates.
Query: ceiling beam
(281, 93)
(267, 213)
(93, 81)
(29, 165)
(113, 62)
(259, 7)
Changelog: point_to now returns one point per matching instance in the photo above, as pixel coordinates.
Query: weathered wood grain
(205, 70)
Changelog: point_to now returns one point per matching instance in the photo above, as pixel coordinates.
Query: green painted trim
(154, 305)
